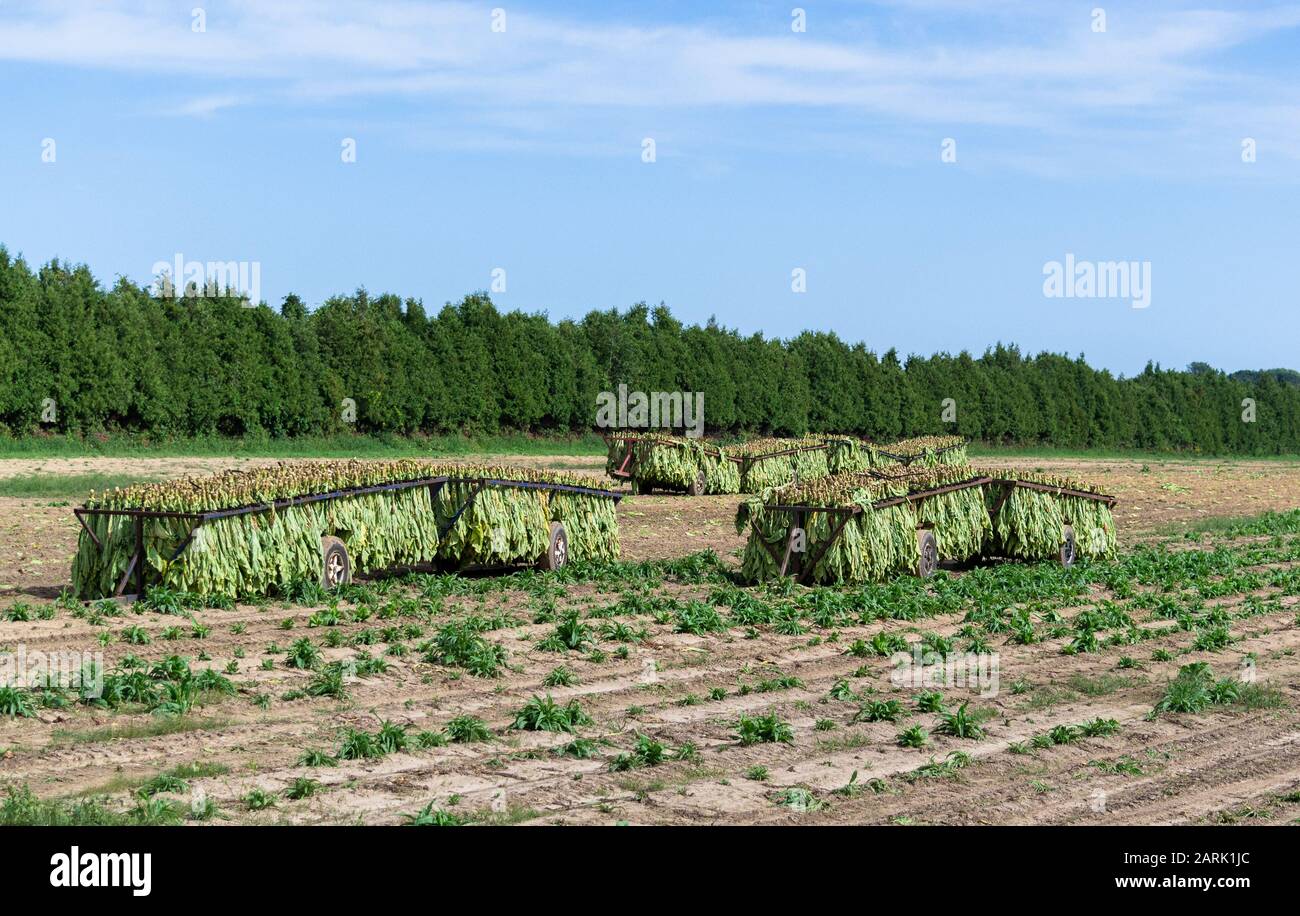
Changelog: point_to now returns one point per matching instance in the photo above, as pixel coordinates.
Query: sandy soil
(1219, 766)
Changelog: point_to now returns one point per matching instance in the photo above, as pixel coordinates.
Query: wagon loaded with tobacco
(651, 461)
(248, 533)
(868, 526)
(846, 454)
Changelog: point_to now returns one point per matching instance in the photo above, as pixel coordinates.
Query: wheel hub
(334, 569)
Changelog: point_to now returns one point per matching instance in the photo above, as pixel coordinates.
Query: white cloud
(1010, 65)
(205, 106)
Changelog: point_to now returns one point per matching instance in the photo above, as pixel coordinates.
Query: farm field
(656, 691)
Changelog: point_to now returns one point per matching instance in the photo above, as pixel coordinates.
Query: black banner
(219, 864)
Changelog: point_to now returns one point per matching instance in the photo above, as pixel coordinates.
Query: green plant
(879, 711)
(699, 618)
(203, 809)
(646, 752)
(156, 811)
(1099, 728)
(799, 799)
(571, 634)
(580, 749)
(136, 636)
(1124, 766)
(259, 799)
(428, 816)
(317, 758)
(544, 714)
(16, 702)
(303, 655)
(767, 728)
(1212, 639)
(559, 677)
(463, 729)
(959, 724)
(912, 736)
(328, 682)
(459, 645)
(391, 737)
(780, 682)
(851, 789)
(928, 701)
(956, 760)
(1189, 691)
(163, 782)
(302, 787)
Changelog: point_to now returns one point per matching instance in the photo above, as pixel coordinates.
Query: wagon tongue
(622, 468)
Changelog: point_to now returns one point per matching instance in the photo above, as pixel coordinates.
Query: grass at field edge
(118, 445)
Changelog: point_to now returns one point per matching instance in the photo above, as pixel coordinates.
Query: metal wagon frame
(137, 566)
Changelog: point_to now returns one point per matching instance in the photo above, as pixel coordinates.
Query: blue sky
(775, 150)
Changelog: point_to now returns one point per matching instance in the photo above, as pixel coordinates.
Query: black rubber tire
(697, 485)
(927, 549)
(641, 488)
(336, 565)
(1069, 550)
(557, 549)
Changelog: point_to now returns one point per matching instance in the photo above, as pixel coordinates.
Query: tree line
(77, 357)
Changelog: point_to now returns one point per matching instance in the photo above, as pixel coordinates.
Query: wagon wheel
(336, 565)
(697, 485)
(557, 550)
(927, 549)
(1069, 553)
